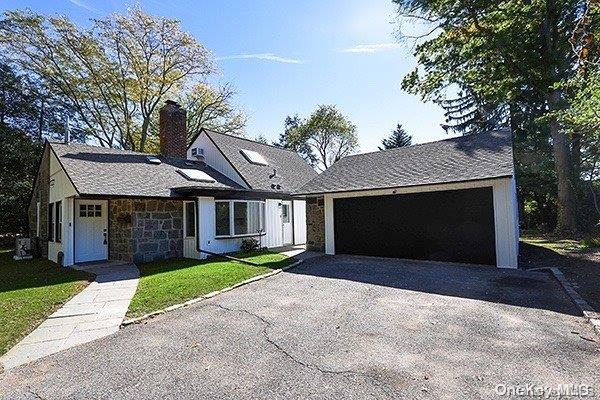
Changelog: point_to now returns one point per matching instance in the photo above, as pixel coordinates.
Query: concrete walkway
(297, 252)
(95, 312)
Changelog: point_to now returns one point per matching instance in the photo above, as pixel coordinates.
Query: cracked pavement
(337, 327)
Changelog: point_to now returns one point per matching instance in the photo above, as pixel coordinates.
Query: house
(93, 203)
(451, 200)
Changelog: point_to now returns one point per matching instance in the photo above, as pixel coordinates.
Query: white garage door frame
(506, 219)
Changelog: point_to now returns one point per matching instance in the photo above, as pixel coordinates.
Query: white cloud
(371, 48)
(82, 4)
(262, 56)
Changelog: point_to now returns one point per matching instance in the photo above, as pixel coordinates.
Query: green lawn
(169, 282)
(561, 245)
(30, 290)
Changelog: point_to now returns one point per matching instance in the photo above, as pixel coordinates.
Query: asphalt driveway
(338, 327)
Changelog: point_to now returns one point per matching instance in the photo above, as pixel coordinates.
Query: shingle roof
(465, 158)
(292, 170)
(113, 172)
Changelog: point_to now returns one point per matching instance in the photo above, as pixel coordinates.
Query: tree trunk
(41, 119)
(566, 222)
(576, 152)
(144, 134)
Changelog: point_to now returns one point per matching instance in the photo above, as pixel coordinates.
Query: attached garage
(421, 226)
(452, 200)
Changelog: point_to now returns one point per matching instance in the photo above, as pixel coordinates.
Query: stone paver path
(95, 312)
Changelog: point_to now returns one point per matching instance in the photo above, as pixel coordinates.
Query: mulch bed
(582, 268)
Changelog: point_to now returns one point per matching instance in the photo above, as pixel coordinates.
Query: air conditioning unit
(198, 153)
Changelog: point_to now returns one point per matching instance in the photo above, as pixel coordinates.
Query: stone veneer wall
(142, 230)
(41, 193)
(315, 224)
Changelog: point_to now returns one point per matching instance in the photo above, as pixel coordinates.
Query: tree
(398, 138)
(326, 133)
(261, 139)
(18, 167)
(212, 109)
(21, 121)
(114, 74)
(288, 140)
(511, 56)
(582, 93)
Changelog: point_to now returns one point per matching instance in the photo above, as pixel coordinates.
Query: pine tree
(398, 138)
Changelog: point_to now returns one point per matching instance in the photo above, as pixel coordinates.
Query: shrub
(249, 245)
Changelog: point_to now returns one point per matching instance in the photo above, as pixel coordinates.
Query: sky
(286, 57)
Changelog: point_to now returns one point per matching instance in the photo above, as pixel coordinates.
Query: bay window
(239, 217)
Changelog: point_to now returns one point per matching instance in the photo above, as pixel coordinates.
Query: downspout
(228, 257)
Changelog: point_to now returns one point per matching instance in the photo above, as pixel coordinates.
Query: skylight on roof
(196, 175)
(254, 157)
(153, 160)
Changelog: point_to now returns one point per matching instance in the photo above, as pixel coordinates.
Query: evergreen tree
(398, 138)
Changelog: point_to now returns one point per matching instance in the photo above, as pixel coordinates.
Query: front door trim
(103, 236)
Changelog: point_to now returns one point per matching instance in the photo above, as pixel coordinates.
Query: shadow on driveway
(506, 286)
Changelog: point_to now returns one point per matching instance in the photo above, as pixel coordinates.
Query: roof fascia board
(64, 169)
(226, 158)
(438, 184)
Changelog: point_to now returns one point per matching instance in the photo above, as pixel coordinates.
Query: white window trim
(261, 216)
(58, 222)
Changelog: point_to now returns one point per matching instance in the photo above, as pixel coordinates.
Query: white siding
(329, 235)
(206, 223)
(299, 213)
(68, 231)
(273, 226)
(61, 189)
(214, 158)
(506, 222)
(207, 231)
(60, 185)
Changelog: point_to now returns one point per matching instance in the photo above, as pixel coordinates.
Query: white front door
(91, 230)
(286, 221)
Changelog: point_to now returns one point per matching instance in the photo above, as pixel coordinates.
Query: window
(58, 224)
(256, 216)
(222, 218)
(51, 222)
(190, 219)
(37, 219)
(285, 213)
(90, 210)
(239, 218)
(196, 175)
(253, 157)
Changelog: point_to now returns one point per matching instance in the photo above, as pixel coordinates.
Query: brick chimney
(172, 130)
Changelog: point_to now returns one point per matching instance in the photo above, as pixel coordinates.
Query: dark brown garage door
(454, 225)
